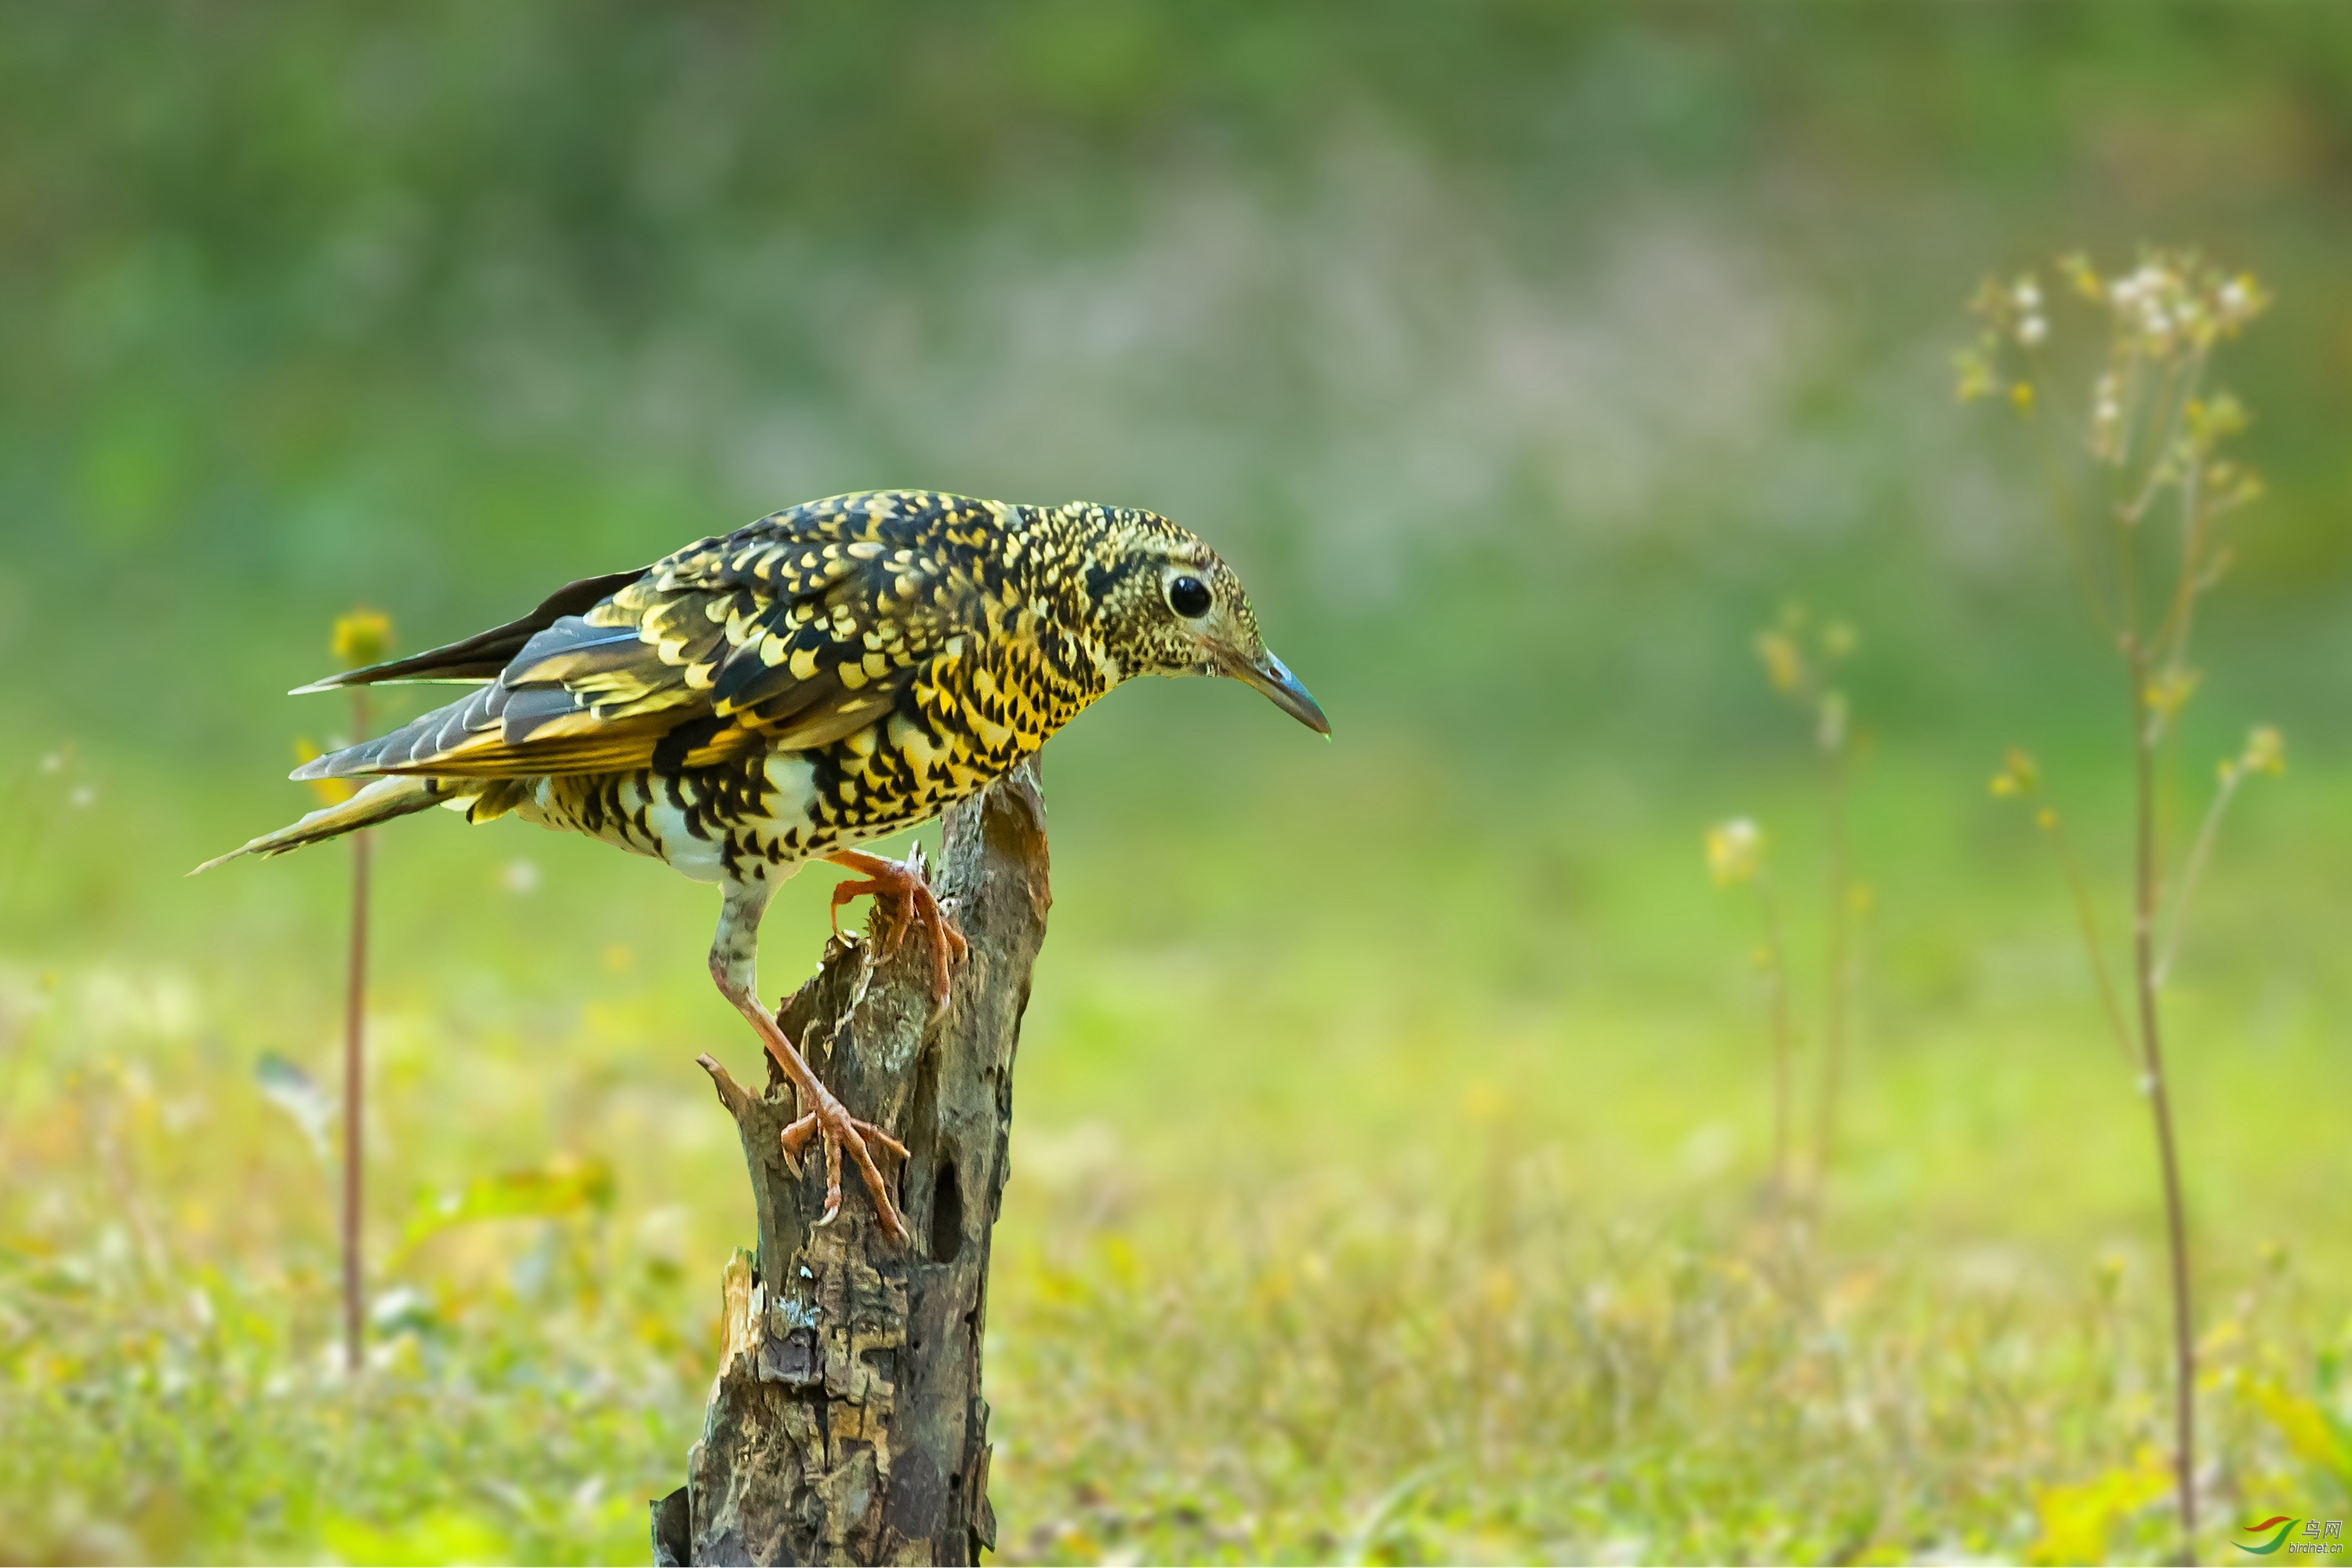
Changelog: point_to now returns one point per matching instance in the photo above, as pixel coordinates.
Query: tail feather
(483, 655)
(379, 802)
(421, 737)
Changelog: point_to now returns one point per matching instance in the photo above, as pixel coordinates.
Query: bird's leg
(823, 1116)
(901, 889)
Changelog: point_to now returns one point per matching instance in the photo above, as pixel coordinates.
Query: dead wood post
(846, 1423)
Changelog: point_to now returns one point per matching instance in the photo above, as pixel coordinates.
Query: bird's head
(1165, 604)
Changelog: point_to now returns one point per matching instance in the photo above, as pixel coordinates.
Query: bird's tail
(381, 801)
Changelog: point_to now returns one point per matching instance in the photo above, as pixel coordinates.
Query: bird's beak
(1269, 674)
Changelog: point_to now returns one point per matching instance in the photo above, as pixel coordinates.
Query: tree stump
(846, 1423)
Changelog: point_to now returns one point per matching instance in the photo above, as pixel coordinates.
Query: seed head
(2265, 751)
(362, 637)
(1735, 851)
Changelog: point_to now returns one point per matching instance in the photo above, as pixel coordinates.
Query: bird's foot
(903, 893)
(829, 1122)
(823, 1116)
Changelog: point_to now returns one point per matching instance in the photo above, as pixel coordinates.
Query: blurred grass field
(1392, 1116)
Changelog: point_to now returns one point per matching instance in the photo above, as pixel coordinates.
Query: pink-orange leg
(825, 1119)
(905, 897)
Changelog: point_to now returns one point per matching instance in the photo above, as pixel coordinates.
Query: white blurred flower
(519, 878)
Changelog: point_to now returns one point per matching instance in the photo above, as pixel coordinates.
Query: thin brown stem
(355, 1080)
(2144, 907)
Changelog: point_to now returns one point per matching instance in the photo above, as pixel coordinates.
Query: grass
(1403, 1207)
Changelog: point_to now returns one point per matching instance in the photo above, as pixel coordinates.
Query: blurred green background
(1392, 1112)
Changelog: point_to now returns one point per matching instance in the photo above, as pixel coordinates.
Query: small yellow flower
(2021, 394)
(2169, 692)
(362, 637)
(1735, 851)
(2213, 420)
(1784, 666)
(2265, 751)
(1973, 375)
(2082, 275)
(2019, 776)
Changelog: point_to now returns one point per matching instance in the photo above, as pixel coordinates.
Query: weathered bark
(846, 1423)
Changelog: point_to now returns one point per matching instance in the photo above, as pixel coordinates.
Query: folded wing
(793, 632)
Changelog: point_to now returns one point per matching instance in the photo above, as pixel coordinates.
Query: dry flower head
(1735, 851)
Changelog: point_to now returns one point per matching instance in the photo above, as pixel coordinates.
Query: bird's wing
(791, 633)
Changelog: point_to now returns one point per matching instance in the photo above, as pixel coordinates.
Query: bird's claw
(901, 889)
(830, 1123)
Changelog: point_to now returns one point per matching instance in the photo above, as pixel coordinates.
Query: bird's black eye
(1189, 597)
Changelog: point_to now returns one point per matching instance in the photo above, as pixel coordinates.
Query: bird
(819, 679)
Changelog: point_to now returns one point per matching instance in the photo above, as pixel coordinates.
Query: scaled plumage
(824, 677)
